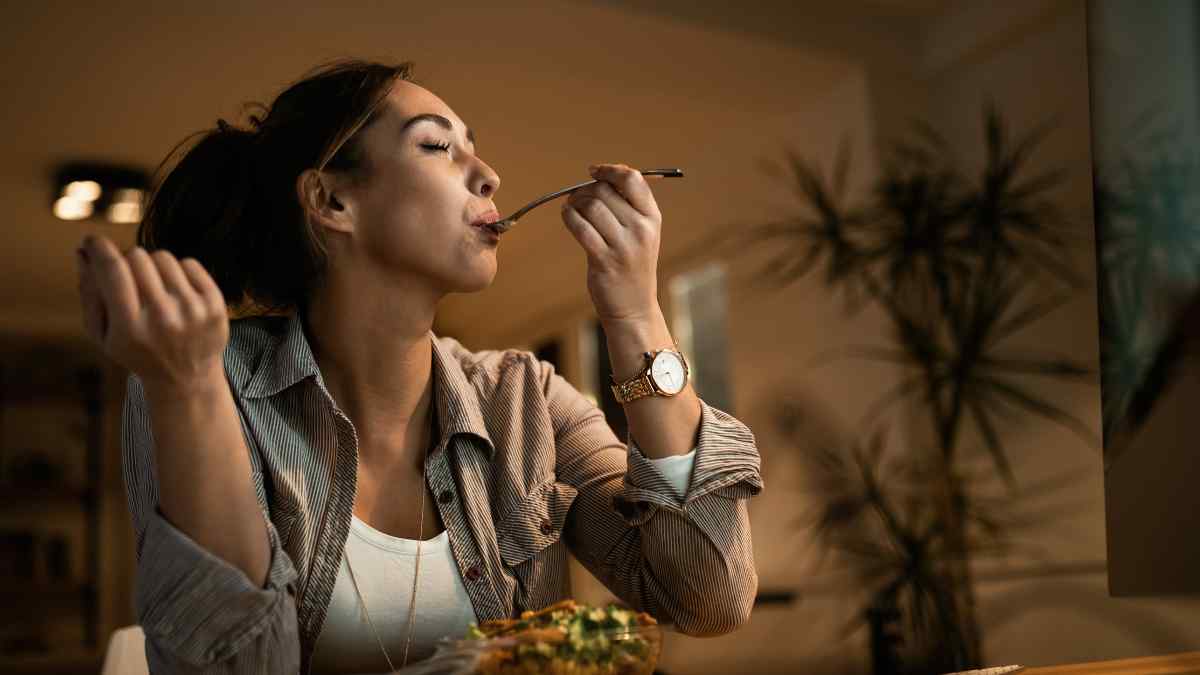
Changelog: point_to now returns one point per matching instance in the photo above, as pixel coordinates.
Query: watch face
(668, 372)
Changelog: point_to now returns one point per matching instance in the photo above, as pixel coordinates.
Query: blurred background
(883, 259)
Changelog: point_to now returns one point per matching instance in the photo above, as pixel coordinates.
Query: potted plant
(959, 262)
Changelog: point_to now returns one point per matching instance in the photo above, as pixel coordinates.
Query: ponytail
(199, 210)
(230, 201)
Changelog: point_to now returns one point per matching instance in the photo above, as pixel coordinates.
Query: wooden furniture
(1171, 664)
(52, 441)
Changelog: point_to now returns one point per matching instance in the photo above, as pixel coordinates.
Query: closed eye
(436, 147)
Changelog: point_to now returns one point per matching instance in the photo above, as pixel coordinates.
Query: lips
(485, 220)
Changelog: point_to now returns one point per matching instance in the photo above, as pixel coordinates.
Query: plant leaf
(1040, 407)
(992, 440)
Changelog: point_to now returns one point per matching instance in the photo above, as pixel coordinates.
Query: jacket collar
(284, 361)
(289, 359)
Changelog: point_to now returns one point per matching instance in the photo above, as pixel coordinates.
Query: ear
(314, 190)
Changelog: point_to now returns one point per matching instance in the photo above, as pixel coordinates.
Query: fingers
(114, 286)
(626, 215)
(113, 280)
(157, 317)
(584, 233)
(630, 183)
(615, 183)
(597, 213)
(174, 280)
(149, 281)
(176, 284)
(204, 285)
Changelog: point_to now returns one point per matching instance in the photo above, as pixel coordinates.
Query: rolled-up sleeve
(687, 561)
(677, 469)
(725, 460)
(199, 613)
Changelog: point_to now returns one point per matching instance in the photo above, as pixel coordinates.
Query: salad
(568, 638)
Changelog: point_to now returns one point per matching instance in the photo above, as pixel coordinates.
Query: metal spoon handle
(504, 224)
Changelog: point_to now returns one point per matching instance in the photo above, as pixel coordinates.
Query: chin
(475, 288)
(479, 279)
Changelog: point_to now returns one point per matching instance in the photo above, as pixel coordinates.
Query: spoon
(504, 224)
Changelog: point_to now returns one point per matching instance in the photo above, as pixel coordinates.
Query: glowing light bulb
(69, 208)
(82, 190)
(128, 195)
(125, 213)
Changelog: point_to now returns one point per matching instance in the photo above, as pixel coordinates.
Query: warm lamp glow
(113, 192)
(126, 207)
(69, 208)
(82, 190)
(128, 195)
(125, 213)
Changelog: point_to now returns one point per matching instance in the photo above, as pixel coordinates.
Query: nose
(486, 181)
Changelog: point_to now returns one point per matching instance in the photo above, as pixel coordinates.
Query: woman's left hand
(617, 222)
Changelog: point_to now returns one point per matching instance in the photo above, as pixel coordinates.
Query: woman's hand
(618, 224)
(160, 318)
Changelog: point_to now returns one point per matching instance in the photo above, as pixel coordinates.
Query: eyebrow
(438, 120)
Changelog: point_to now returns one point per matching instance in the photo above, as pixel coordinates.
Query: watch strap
(637, 387)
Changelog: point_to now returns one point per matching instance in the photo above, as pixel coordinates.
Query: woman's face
(422, 188)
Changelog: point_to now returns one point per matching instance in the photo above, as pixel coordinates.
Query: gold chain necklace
(412, 600)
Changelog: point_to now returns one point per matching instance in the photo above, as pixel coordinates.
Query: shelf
(44, 596)
(60, 663)
(50, 398)
(23, 496)
(53, 378)
(68, 386)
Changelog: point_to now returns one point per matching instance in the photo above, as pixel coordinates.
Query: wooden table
(1172, 664)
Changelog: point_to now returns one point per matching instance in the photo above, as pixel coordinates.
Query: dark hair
(230, 202)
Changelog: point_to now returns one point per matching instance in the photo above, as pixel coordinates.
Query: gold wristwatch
(665, 374)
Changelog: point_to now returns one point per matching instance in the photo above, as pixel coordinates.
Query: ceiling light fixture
(85, 190)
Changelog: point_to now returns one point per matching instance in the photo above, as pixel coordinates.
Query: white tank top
(384, 566)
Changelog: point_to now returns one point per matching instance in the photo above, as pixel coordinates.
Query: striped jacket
(526, 469)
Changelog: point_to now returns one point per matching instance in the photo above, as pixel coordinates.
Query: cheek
(413, 218)
(413, 198)
(413, 236)
(394, 216)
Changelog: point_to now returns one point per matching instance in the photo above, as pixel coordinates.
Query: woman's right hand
(163, 319)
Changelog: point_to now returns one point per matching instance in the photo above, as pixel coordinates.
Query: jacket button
(546, 527)
(445, 497)
(473, 573)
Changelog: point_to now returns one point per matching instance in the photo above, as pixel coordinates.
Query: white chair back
(126, 653)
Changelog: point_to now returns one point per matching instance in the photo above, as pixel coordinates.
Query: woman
(285, 470)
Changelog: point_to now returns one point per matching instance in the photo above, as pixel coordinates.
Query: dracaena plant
(961, 262)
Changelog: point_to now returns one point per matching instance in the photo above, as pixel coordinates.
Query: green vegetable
(593, 635)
